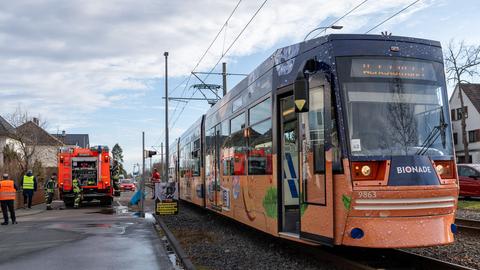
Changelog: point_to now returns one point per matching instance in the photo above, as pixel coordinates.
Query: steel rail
(468, 224)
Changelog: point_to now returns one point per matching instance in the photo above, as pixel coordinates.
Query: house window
(460, 113)
(474, 136)
(455, 138)
(452, 112)
(461, 159)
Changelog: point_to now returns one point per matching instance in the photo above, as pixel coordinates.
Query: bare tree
(27, 140)
(461, 62)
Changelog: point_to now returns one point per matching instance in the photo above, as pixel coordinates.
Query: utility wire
(339, 19)
(187, 79)
(226, 51)
(389, 18)
(236, 38)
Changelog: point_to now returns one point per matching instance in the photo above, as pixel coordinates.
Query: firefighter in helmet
(49, 187)
(77, 191)
(115, 173)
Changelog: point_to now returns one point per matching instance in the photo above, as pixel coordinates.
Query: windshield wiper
(433, 135)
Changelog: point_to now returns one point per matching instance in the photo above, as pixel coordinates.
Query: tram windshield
(395, 106)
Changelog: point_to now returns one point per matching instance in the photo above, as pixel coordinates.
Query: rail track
(340, 257)
(376, 259)
(469, 225)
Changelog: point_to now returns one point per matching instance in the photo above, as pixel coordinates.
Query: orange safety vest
(7, 190)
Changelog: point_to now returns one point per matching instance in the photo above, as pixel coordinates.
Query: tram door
(289, 167)
(316, 217)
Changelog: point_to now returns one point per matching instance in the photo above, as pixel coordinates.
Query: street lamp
(335, 27)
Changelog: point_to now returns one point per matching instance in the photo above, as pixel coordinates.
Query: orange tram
(339, 140)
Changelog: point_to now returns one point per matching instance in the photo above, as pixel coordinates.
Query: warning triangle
(300, 103)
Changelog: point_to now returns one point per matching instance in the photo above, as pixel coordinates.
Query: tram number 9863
(367, 194)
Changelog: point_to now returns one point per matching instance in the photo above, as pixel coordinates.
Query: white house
(7, 132)
(471, 100)
(46, 145)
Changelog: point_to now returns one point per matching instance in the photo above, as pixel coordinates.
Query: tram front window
(395, 107)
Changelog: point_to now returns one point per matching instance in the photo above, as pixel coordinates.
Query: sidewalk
(36, 209)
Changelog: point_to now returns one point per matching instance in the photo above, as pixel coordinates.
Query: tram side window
(183, 161)
(209, 151)
(260, 151)
(238, 145)
(196, 158)
(260, 139)
(188, 160)
(260, 112)
(225, 145)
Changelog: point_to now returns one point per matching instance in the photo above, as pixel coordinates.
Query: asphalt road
(92, 237)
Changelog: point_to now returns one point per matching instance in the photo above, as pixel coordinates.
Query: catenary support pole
(162, 165)
(224, 75)
(165, 173)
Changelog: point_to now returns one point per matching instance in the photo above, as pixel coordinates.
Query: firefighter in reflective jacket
(77, 192)
(8, 191)
(49, 187)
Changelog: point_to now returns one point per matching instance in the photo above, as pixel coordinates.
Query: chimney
(36, 121)
(63, 133)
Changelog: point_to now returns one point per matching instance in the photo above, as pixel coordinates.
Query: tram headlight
(440, 169)
(445, 169)
(366, 170)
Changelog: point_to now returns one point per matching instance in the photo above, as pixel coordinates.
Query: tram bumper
(399, 232)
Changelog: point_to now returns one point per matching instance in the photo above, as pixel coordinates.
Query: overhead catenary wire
(224, 53)
(187, 79)
(343, 16)
(389, 18)
(236, 38)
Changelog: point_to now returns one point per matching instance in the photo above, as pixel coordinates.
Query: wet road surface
(92, 237)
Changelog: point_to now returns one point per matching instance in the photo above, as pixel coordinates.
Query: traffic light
(150, 153)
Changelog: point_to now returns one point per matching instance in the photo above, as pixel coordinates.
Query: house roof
(5, 128)
(472, 90)
(37, 135)
(80, 140)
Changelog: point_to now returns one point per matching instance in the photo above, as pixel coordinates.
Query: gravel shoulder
(214, 242)
(466, 248)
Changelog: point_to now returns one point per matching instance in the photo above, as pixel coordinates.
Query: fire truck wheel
(106, 201)
(68, 203)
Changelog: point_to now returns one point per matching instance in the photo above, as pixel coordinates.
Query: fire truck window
(260, 150)
(260, 112)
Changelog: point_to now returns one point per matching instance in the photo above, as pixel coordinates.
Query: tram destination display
(392, 68)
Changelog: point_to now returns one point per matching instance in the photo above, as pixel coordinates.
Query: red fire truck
(91, 167)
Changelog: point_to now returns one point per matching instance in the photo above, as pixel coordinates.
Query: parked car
(127, 184)
(469, 177)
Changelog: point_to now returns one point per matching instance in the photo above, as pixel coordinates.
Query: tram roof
(278, 57)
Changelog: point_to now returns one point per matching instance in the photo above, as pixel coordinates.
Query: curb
(29, 213)
(187, 264)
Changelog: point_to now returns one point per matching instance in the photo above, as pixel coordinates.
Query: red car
(127, 184)
(469, 177)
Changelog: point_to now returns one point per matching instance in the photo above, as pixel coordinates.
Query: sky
(97, 67)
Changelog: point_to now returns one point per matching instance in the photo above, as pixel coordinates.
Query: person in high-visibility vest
(77, 192)
(8, 191)
(29, 186)
(49, 187)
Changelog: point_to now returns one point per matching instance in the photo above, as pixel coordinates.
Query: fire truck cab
(91, 167)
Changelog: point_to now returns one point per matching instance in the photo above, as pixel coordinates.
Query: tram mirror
(300, 94)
